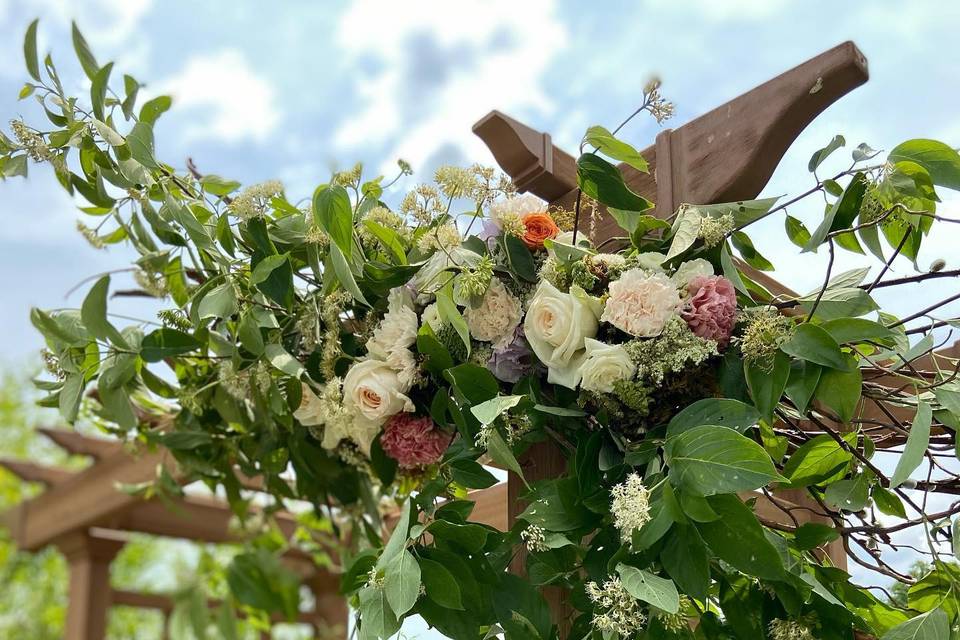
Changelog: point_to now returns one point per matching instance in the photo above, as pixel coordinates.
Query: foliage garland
(372, 362)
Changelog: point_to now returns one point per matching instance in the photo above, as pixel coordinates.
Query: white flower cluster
(630, 506)
(620, 612)
(788, 630)
(535, 539)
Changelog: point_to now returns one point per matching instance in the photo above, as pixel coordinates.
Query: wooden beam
(166, 604)
(90, 499)
(725, 155)
(81, 445)
(30, 472)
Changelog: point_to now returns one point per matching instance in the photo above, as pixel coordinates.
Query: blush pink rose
(711, 309)
(413, 441)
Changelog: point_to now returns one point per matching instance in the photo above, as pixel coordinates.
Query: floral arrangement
(374, 361)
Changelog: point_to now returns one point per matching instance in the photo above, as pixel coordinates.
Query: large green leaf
(398, 539)
(814, 344)
(660, 592)
(939, 159)
(333, 213)
(603, 182)
(166, 343)
(684, 557)
(30, 51)
(840, 391)
(817, 460)
(724, 412)
(821, 154)
(737, 538)
(402, 582)
(916, 446)
(767, 385)
(93, 312)
(933, 625)
(377, 618)
(440, 584)
(709, 459)
(842, 214)
(607, 144)
(87, 61)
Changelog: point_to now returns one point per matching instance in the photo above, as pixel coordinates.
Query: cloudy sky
(293, 90)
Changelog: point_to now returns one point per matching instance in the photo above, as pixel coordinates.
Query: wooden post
(725, 155)
(89, 560)
(330, 611)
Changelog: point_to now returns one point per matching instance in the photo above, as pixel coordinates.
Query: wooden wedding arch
(725, 155)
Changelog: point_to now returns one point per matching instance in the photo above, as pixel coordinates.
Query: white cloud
(473, 56)
(224, 97)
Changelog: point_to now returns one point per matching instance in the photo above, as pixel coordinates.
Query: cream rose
(373, 390)
(497, 315)
(398, 329)
(690, 270)
(605, 365)
(556, 326)
(641, 303)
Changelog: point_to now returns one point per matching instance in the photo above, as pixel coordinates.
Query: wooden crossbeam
(31, 472)
(81, 445)
(166, 604)
(725, 155)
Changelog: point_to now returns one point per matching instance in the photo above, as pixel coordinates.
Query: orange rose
(538, 227)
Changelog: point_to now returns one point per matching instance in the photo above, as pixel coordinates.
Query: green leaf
(850, 494)
(796, 231)
(842, 214)
(140, 143)
(389, 238)
(814, 344)
(802, 383)
(939, 159)
(660, 592)
(840, 390)
(30, 51)
(451, 315)
(708, 460)
(217, 185)
(487, 412)
(817, 460)
(841, 302)
(153, 109)
(737, 538)
(258, 579)
(685, 231)
(888, 502)
(93, 312)
(811, 535)
(266, 266)
(520, 259)
(684, 558)
(766, 386)
(474, 382)
(219, 302)
(402, 583)
(821, 154)
(471, 474)
(636, 222)
(398, 539)
(749, 253)
(166, 343)
(603, 182)
(724, 412)
(87, 61)
(933, 625)
(501, 454)
(282, 360)
(377, 619)
(441, 585)
(333, 213)
(70, 395)
(607, 144)
(846, 330)
(341, 269)
(98, 89)
(916, 447)
(744, 212)
(470, 536)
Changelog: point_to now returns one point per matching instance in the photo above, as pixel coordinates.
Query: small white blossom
(630, 506)
(620, 612)
(535, 539)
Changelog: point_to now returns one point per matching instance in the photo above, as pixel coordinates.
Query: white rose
(497, 315)
(641, 303)
(398, 329)
(515, 207)
(605, 364)
(690, 270)
(556, 326)
(373, 390)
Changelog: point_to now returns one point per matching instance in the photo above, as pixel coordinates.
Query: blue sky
(291, 90)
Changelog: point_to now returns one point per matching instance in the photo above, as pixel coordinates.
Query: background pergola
(725, 155)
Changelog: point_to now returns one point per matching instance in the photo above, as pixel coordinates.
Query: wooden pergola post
(89, 592)
(725, 155)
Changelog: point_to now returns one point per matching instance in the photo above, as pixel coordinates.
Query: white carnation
(641, 303)
(503, 211)
(497, 315)
(397, 329)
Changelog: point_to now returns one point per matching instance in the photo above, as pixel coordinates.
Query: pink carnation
(413, 440)
(711, 309)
